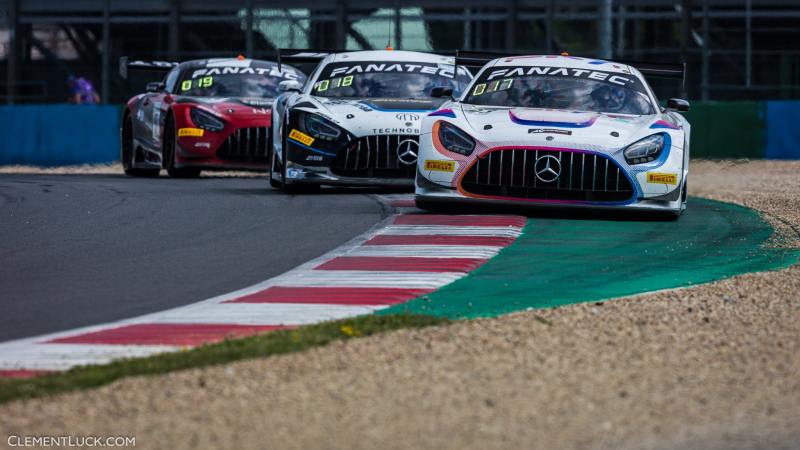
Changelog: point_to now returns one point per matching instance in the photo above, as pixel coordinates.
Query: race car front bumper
(297, 174)
(370, 160)
(238, 148)
(429, 192)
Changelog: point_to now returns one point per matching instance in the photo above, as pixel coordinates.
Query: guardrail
(55, 135)
(58, 135)
(745, 129)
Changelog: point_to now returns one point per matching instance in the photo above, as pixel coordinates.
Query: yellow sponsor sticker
(440, 166)
(662, 178)
(193, 132)
(301, 137)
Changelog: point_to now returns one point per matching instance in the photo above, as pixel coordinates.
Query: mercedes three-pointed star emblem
(407, 151)
(547, 168)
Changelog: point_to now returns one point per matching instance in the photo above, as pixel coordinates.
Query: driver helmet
(609, 98)
(558, 95)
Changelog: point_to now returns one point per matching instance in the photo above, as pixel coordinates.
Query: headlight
(645, 150)
(206, 121)
(321, 128)
(455, 140)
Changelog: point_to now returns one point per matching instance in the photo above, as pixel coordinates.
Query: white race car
(356, 121)
(557, 131)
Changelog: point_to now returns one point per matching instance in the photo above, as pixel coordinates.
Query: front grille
(377, 157)
(246, 145)
(582, 176)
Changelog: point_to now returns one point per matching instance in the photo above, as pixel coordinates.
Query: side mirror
(290, 86)
(442, 92)
(155, 86)
(678, 104)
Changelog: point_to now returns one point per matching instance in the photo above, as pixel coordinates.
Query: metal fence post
(248, 38)
(548, 24)
(13, 51)
(686, 32)
(511, 21)
(621, 31)
(398, 30)
(604, 29)
(749, 43)
(105, 77)
(706, 53)
(467, 45)
(174, 29)
(341, 24)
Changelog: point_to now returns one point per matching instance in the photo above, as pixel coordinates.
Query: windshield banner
(626, 80)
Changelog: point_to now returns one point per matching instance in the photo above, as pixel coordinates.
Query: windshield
(388, 79)
(259, 82)
(561, 88)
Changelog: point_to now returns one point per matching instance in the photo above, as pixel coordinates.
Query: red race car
(209, 114)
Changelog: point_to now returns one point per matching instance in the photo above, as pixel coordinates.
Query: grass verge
(272, 343)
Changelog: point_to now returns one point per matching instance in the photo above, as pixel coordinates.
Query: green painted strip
(561, 261)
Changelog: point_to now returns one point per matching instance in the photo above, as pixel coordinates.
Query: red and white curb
(405, 256)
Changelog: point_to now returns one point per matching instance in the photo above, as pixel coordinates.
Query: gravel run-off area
(715, 366)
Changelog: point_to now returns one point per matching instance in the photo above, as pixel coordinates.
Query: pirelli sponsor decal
(190, 132)
(301, 137)
(440, 166)
(662, 178)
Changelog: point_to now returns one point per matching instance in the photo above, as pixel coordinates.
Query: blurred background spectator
(82, 92)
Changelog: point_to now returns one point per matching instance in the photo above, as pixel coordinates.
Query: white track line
(426, 251)
(365, 278)
(262, 313)
(451, 230)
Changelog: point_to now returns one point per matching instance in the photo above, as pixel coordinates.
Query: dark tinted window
(561, 88)
(387, 79)
(235, 80)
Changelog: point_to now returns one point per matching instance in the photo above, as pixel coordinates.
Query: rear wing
(477, 60)
(303, 56)
(314, 56)
(675, 71)
(148, 66)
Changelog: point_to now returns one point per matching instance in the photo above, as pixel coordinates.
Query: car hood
(557, 127)
(377, 116)
(245, 107)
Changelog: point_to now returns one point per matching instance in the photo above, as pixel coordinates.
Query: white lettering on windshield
(265, 71)
(559, 71)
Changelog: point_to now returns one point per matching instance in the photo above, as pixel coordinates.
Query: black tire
(428, 205)
(273, 167)
(127, 154)
(277, 184)
(284, 154)
(667, 216)
(168, 153)
(296, 189)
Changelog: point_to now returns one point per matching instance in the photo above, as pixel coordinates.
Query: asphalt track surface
(81, 250)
